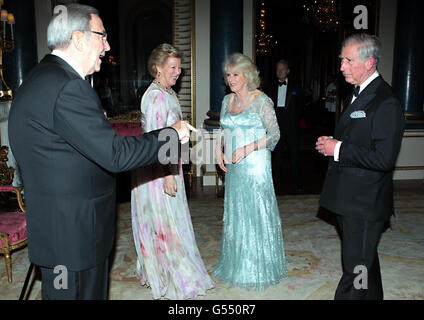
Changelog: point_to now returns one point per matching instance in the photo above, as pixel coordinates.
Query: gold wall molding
(410, 168)
(183, 40)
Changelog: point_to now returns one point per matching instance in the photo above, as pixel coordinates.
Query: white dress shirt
(365, 83)
(282, 94)
(70, 61)
(361, 87)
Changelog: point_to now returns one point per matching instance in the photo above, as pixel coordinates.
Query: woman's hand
(243, 152)
(221, 160)
(170, 185)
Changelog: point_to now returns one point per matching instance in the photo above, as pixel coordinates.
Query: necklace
(244, 102)
(160, 85)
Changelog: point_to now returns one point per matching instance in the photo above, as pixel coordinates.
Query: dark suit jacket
(68, 154)
(294, 105)
(360, 183)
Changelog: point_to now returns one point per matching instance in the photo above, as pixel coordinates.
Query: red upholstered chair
(18, 191)
(13, 233)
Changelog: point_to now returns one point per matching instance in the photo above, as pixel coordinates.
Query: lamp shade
(3, 15)
(10, 18)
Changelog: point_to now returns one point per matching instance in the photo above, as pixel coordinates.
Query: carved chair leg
(18, 191)
(216, 183)
(8, 262)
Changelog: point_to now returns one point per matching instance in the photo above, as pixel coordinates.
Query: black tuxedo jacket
(68, 154)
(371, 129)
(294, 104)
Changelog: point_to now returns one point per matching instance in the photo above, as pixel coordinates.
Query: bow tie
(356, 91)
(284, 83)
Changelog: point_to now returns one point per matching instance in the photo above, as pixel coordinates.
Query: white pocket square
(358, 114)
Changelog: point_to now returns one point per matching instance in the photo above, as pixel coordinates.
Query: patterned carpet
(312, 248)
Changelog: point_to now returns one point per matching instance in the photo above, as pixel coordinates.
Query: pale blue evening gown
(252, 250)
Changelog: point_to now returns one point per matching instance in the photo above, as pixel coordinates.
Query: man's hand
(325, 145)
(183, 128)
(170, 185)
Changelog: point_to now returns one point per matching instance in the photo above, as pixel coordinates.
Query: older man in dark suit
(288, 103)
(358, 186)
(68, 154)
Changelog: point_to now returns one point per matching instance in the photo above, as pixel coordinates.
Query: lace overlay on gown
(252, 249)
(168, 258)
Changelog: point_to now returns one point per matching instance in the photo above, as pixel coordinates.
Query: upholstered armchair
(13, 233)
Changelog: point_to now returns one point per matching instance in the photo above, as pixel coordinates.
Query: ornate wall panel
(183, 40)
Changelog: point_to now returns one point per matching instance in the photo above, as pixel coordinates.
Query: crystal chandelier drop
(323, 13)
(264, 41)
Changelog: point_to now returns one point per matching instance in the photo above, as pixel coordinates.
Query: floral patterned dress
(168, 258)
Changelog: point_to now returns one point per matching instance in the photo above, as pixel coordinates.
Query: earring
(158, 74)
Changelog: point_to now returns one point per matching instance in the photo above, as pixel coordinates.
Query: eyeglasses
(103, 34)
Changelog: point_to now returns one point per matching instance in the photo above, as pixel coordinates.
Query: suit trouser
(361, 278)
(288, 133)
(90, 284)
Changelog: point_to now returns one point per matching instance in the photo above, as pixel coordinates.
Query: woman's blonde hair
(159, 56)
(240, 63)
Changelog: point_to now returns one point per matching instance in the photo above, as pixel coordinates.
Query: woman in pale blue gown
(252, 250)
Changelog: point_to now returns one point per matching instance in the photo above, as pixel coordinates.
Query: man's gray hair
(67, 19)
(369, 46)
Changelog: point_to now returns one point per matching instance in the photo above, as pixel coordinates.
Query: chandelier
(323, 13)
(264, 41)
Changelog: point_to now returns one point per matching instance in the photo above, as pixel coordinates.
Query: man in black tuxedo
(358, 187)
(68, 154)
(287, 98)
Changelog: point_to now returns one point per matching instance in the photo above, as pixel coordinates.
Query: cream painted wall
(387, 30)
(202, 64)
(248, 28)
(202, 56)
(410, 163)
(43, 13)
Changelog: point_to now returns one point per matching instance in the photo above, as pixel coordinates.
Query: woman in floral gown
(168, 258)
